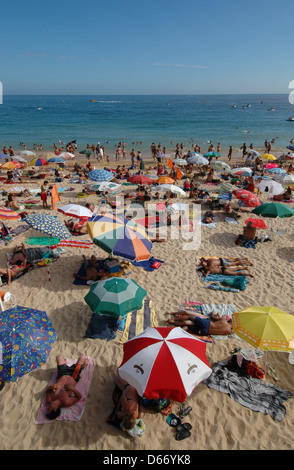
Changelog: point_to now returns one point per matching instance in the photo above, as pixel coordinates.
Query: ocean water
(141, 120)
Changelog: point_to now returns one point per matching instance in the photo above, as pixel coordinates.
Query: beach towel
(82, 272)
(19, 230)
(138, 320)
(74, 412)
(221, 280)
(101, 327)
(76, 243)
(44, 241)
(231, 221)
(4, 279)
(147, 264)
(248, 391)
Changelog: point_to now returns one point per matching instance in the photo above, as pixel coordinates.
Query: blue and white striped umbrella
(49, 225)
(100, 175)
(278, 171)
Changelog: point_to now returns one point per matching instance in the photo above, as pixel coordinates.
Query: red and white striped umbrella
(164, 363)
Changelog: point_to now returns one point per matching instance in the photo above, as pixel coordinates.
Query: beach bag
(160, 404)
(156, 265)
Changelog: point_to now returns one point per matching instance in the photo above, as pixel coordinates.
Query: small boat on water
(93, 101)
(290, 118)
(271, 109)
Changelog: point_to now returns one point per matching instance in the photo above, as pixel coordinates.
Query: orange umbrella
(164, 180)
(9, 165)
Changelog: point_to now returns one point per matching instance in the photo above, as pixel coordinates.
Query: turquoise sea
(227, 119)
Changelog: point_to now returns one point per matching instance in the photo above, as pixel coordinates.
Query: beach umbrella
(278, 171)
(268, 156)
(291, 156)
(164, 363)
(9, 165)
(18, 158)
(66, 155)
(56, 160)
(140, 179)
(220, 166)
(38, 162)
(236, 171)
(266, 328)
(76, 210)
(271, 165)
(8, 214)
(212, 154)
(171, 188)
(270, 187)
(49, 225)
(120, 236)
(163, 155)
(198, 159)
(180, 161)
(86, 152)
(257, 223)
(254, 153)
(105, 186)
(228, 186)
(26, 337)
(249, 198)
(4, 155)
(290, 147)
(27, 153)
(115, 297)
(164, 180)
(100, 175)
(285, 179)
(273, 210)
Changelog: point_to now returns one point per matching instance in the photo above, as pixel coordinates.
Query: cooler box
(112, 266)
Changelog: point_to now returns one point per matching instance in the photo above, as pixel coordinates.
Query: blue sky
(146, 47)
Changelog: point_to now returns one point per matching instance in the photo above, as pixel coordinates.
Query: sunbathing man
(128, 409)
(216, 324)
(63, 393)
(227, 271)
(227, 262)
(15, 265)
(249, 232)
(91, 269)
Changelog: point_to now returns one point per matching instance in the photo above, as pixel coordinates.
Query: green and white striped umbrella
(115, 297)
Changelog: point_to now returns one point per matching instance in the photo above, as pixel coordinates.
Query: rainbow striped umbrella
(38, 162)
(8, 214)
(120, 236)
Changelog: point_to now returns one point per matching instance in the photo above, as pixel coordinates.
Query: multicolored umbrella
(164, 180)
(49, 225)
(267, 328)
(8, 214)
(100, 175)
(140, 179)
(115, 297)
(273, 210)
(212, 154)
(26, 337)
(250, 199)
(164, 363)
(75, 210)
(120, 236)
(236, 171)
(38, 162)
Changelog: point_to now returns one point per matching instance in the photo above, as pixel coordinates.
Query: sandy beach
(218, 421)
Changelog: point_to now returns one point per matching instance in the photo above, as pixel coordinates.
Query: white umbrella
(198, 159)
(220, 165)
(285, 179)
(254, 152)
(163, 155)
(66, 155)
(105, 186)
(27, 153)
(75, 210)
(172, 188)
(18, 158)
(291, 155)
(270, 187)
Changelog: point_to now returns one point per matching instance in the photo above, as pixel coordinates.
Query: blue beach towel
(147, 264)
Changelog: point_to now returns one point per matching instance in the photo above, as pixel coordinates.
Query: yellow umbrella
(8, 165)
(268, 156)
(267, 328)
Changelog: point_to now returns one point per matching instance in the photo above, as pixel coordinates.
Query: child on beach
(44, 189)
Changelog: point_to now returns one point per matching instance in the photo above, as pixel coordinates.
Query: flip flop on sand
(184, 411)
(183, 434)
(184, 426)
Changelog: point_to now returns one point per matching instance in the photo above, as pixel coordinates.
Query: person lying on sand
(227, 262)
(91, 270)
(15, 265)
(63, 393)
(216, 324)
(128, 408)
(208, 218)
(228, 271)
(76, 227)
